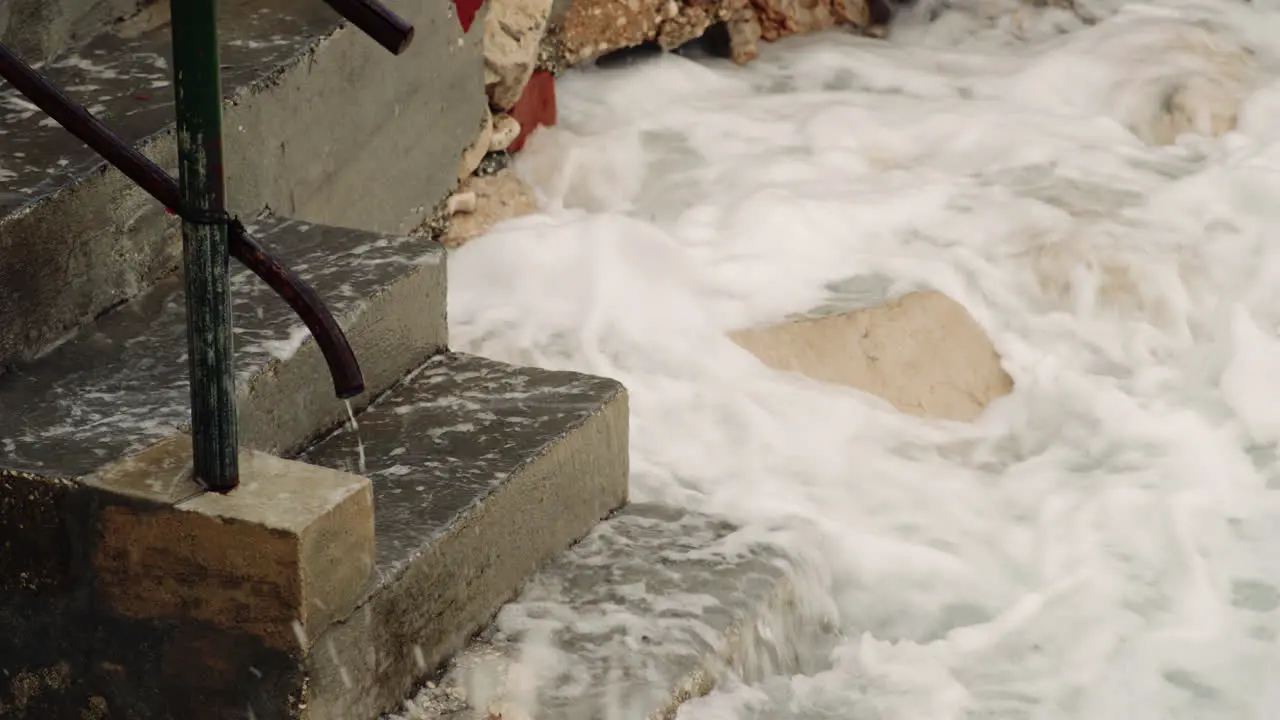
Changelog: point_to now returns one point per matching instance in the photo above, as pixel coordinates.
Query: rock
(1208, 81)
(513, 32)
(496, 197)
(475, 152)
(505, 131)
(923, 353)
(780, 18)
(687, 21)
(592, 28)
(744, 34)
(862, 14)
(536, 108)
(461, 202)
(494, 163)
(1205, 106)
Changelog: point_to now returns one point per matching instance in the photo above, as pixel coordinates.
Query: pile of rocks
(526, 42)
(592, 28)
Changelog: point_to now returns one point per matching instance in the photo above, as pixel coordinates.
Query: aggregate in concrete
(121, 383)
(481, 473)
(40, 29)
(651, 609)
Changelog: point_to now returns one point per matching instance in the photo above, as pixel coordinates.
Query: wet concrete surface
(454, 432)
(77, 237)
(481, 472)
(121, 383)
(41, 29)
(126, 83)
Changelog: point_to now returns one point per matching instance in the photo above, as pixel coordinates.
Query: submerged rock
(923, 353)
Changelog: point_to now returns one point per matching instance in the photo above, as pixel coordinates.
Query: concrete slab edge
(760, 619)
(414, 623)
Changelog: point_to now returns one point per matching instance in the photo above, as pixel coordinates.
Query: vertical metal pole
(197, 83)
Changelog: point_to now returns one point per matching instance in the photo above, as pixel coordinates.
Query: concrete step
(651, 609)
(120, 384)
(321, 124)
(481, 473)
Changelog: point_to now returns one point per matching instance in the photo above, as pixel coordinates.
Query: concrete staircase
(321, 125)
(327, 586)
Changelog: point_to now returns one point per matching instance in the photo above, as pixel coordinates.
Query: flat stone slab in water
(121, 383)
(482, 472)
(649, 610)
(922, 352)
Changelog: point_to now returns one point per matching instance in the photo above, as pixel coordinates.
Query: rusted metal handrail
(379, 23)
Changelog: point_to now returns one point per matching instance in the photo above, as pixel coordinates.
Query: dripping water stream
(355, 430)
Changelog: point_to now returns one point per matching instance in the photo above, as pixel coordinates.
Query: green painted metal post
(197, 82)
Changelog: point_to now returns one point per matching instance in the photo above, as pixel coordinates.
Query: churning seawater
(1104, 543)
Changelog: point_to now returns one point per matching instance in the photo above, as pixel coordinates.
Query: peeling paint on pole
(206, 254)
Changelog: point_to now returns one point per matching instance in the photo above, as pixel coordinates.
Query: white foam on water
(1102, 543)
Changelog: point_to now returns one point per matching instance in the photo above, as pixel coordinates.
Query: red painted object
(535, 108)
(467, 10)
